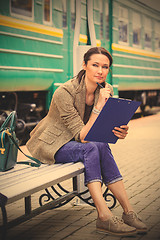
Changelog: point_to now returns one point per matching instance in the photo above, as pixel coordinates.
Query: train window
(136, 29)
(64, 13)
(147, 33)
(73, 14)
(24, 8)
(107, 21)
(157, 36)
(47, 11)
(123, 25)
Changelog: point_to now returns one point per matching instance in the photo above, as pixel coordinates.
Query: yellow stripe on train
(30, 26)
(137, 51)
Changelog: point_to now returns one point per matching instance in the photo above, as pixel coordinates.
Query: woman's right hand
(103, 97)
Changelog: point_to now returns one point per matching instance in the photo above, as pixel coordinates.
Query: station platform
(138, 158)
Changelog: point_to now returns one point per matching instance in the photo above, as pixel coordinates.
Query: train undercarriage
(146, 97)
(31, 107)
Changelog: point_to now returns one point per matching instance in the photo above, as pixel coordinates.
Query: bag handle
(37, 162)
(12, 119)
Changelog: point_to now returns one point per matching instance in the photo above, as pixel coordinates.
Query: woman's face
(97, 68)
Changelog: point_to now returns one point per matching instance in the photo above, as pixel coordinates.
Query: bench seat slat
(39, 182)
(28, 173)
(21, 169)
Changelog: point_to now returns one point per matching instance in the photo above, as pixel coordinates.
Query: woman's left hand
(121, 132)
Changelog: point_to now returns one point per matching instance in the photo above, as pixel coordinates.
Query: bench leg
(3, 201)
(4, 226)
(57, 192)
(28, 207)
(75, 182)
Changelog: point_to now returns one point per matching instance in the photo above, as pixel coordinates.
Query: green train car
(41, 39)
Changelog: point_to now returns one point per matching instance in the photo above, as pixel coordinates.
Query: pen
(102, 87)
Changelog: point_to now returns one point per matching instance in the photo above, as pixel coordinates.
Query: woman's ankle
(127, 210)
(104, 217)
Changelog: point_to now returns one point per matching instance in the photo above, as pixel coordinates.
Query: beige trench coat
(63, 122)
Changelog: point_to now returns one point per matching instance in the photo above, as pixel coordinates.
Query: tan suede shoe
(132, 219)
(115, 226)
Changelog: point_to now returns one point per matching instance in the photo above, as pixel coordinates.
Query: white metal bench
(22, 181)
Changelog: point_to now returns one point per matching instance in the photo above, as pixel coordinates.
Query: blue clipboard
(116, 112)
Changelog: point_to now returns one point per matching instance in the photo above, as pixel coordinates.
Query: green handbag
(9, 145)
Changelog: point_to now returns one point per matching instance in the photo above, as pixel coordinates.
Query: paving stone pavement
(138, 157)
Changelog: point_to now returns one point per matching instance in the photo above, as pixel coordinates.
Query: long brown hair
(89, 53)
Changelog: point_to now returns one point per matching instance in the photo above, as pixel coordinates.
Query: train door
(105, 28)
(98, 31)
(107, 34)
(78, 49)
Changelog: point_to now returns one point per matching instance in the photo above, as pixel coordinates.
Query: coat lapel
(80, 98)
(96, 96)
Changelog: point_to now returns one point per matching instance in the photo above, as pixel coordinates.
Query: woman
(59, 138)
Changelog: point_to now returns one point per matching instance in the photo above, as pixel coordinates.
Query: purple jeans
(97, 158)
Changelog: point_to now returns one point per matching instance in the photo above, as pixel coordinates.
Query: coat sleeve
(69, 115)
